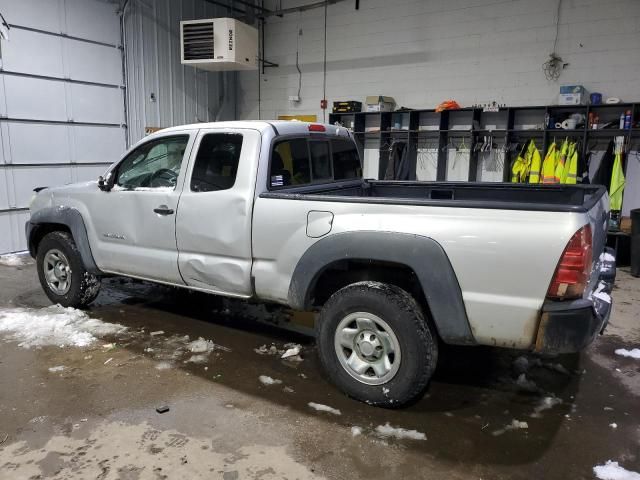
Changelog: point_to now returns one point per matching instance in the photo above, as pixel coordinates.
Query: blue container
(596, 98)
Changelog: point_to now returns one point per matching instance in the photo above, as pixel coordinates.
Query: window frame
(189, 178)
(308, 139)
(116, 170)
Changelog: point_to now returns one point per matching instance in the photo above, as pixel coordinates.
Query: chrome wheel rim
(57, 272)
(367, 348)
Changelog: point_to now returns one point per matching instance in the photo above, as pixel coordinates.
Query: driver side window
(155, 164)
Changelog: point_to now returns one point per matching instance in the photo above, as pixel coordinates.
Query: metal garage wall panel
(96, 104)
(89, 172)
(32, 52)
(86, 19)
(27, 145)
(93, 63)
(98, 144)
(40, 14)
(34, 98)
(6, 233)
(4, 191)
(26, 179)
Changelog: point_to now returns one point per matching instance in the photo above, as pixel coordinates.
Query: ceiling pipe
(301, 8)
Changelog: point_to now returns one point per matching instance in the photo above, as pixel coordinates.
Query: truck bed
(507, 196)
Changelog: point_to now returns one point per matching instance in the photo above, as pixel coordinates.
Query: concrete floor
(97, 419)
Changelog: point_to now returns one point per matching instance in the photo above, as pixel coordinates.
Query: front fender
(72, 219)
(423, 255)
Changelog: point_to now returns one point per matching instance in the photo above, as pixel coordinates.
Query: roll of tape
(611, 100)
(558, 125)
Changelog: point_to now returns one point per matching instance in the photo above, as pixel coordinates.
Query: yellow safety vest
(616, 187)
(536, 163)
(520, 168)
(549, 165)
(562, 158)
(570, 172)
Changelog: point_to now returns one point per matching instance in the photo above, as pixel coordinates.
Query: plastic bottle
(627, 120)
(622, 117)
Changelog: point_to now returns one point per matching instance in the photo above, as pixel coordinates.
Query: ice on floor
(514, 425)
(635, 353)
(200, 358)
(164, 366)
(613, 425)
(205, 346)
(545, 404)
(387, 431)
(525, 384)
(292, 352)
(266, 380)
(58, 368)
(54, 326)
(355, 431)
(613, 471)
(324, 408)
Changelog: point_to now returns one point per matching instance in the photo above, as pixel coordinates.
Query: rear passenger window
(302, 161)
(346, 161)
(290, 163)
(216, 163)
(320, 161)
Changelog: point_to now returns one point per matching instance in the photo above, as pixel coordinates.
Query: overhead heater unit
(219, 44)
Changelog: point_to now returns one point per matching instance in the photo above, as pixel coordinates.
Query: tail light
(573, 271)
(316, 127)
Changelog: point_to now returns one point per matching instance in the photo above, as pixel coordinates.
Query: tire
(72, 285)
(383, 316)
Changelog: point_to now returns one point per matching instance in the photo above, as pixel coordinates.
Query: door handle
(163, 210)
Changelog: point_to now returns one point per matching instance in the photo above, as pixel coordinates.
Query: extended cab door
(213, 226)
(133, 224)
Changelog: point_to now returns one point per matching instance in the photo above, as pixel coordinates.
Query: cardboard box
(572, 95)
(380, 103)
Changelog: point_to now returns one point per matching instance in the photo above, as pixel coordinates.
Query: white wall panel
(96, 104)
(26, 179)
(98, 144)
(83, 19)
(6, 233)
(39, 143)
(40, 14)
(32, 52)
(34, 98)
(89, 172)
(4, 192)
(93, 63)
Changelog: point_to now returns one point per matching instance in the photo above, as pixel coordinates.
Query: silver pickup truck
(278, 212)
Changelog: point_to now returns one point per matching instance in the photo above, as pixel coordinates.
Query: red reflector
(315, 127)
(572, 273)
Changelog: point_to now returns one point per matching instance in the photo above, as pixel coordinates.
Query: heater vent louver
(198, 41)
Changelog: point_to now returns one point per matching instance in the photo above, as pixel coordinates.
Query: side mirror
(105, 185)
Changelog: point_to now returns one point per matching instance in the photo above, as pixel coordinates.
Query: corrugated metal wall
(181, 94)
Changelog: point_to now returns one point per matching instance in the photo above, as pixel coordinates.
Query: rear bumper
(567, 327)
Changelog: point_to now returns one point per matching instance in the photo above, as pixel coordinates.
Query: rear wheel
(62, 274)
(376, 345)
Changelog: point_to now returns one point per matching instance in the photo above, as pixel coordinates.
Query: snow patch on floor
(205, 346)
(386, 431)
(607, 257)
(54, 326)
(635, 353)
(514, 425)
(613, 471)
(59, 368)
(525, 384)
(266, 380)
(355, 431)
(324, 408)
(545, 404)
(15, 259)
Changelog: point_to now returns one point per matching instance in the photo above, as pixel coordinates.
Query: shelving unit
(507, 126)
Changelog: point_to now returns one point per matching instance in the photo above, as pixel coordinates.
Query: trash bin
(635, 242)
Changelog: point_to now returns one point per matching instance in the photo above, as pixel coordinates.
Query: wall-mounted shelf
(507, 126)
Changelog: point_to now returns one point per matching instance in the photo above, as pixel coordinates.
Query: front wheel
(62, 274)
(375, 344)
